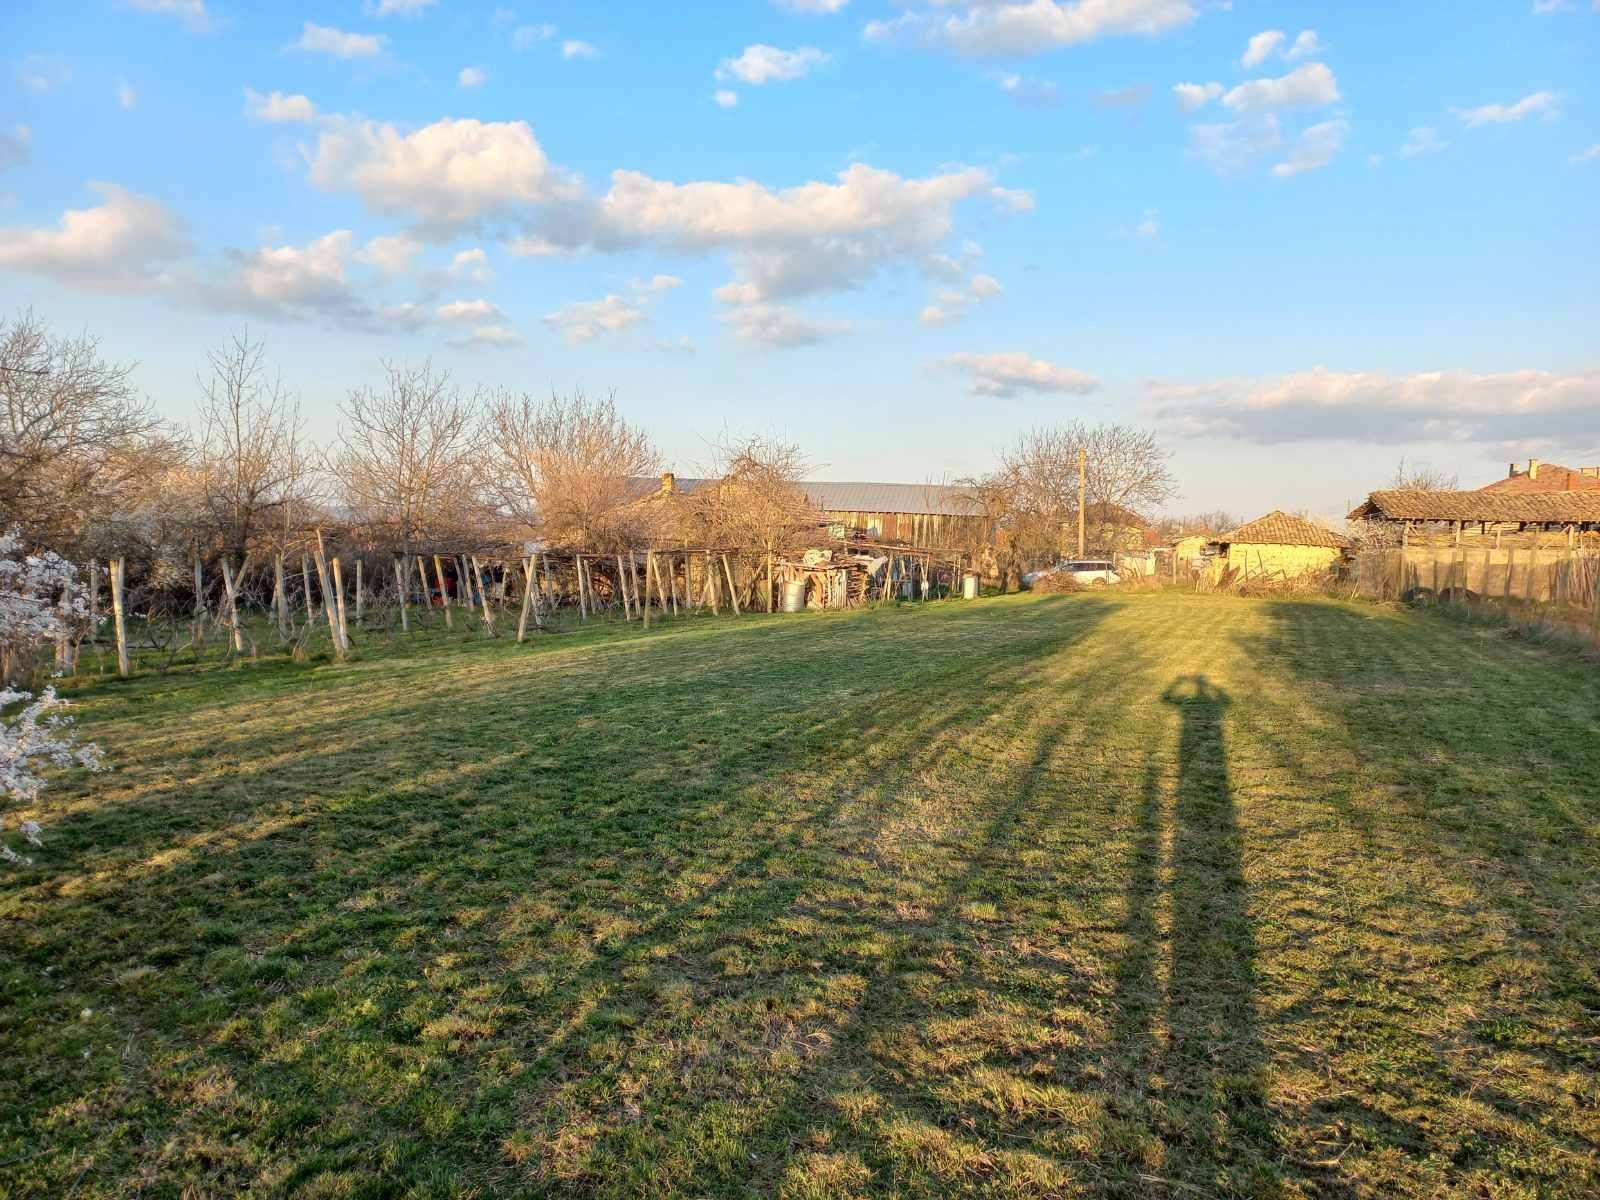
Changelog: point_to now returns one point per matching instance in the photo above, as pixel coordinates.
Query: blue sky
(895, 233)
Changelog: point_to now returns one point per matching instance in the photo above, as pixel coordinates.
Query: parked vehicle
(1090, 572)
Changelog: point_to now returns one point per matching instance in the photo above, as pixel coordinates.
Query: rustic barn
(927, 515)
(1531, 546)
(1187, 549)
(1435, 517)
(1278, 544)
(919, 514)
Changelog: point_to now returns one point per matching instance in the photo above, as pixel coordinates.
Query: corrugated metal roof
(1558, 508)
(922, 498)
(1279, 528)
(919, 498)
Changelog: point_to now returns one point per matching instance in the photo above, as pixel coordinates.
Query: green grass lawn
(1145, 895)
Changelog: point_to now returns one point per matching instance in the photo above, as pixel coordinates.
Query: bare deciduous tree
(407, 460)
(1218, 520)
(1124, 467)
(1423, 478)
(73, 433)
(1037, 482)
(756, 499)
(571, 468)
(249, 449)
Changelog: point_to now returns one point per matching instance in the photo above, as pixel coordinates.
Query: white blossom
(39, 599)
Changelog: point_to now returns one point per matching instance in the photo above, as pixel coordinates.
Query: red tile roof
(1279, 528)
(1550, 478)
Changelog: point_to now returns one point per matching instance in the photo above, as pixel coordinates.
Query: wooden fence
(1529, 574)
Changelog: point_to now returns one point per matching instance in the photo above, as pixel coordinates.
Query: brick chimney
(1512, 473)
(1533, 468)
(669, 484)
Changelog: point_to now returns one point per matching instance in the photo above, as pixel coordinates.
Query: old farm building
(919, 514)
(1498, 516)
(1278, 544)
(928, 515)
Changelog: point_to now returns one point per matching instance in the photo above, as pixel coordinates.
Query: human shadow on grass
(189, 911)
(1479, 759)
(960, 975)
(1212, 1112)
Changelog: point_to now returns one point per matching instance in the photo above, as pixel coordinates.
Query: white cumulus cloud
(1261, 47)
(1314, 149)
(585, 320)
(467, 312)
(278, 107)
(123, 244)
(761, 64)
(1455, 405)
(192, 13)
(1310, 85)
(778, 326)
(471, 77)
(573, 48)
(1005, 373)
(1231, 146)
(449, 176)
(1004, 27)
(1192, 96)
(1538, 104)
(726, 98)
(390, 255)
(397, 8)
(324, 39)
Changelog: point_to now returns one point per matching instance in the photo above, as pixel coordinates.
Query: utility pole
(1083, 459)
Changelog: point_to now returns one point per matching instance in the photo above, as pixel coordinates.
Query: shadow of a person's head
(1195, 689)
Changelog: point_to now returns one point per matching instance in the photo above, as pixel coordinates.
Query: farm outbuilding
(1435, 516)
(1278, 544)
(925, 515)
(918, 514)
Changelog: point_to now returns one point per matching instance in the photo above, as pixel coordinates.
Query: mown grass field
(1101, 895)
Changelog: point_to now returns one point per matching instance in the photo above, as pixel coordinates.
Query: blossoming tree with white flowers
(38, 603)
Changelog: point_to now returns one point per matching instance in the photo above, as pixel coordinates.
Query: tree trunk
(118, 584)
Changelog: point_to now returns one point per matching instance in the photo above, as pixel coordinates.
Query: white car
(1090, 572)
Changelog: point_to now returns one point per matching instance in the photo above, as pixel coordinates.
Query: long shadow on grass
(1213, 1111)
(576, 826)
(947, 974)
(1477, 758)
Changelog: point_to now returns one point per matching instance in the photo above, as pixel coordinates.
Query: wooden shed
(1278, 544)
(1458, 516)
(919, 514)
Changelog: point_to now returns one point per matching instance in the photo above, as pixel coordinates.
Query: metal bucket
(969, 586)
(794, 596)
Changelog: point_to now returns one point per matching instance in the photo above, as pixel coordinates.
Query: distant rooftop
(934, 499)
(1279, 528)
(917, 498)
(1538, 477)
